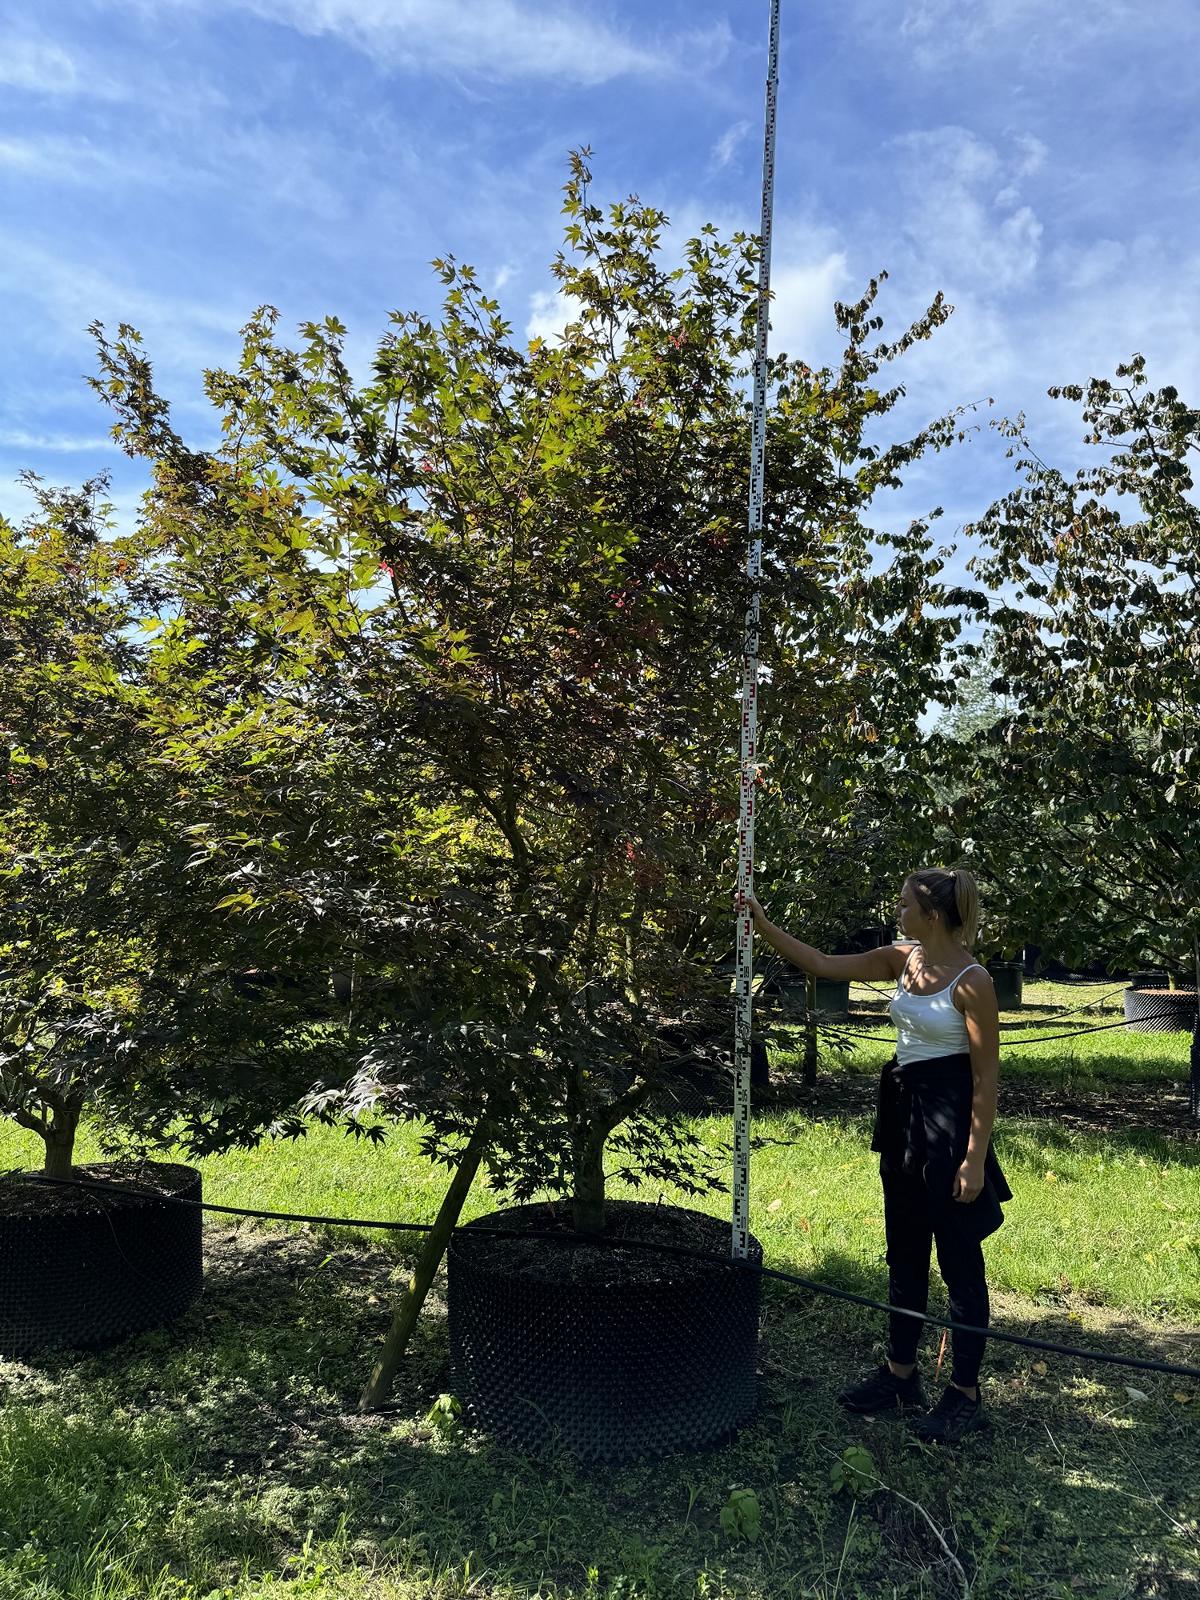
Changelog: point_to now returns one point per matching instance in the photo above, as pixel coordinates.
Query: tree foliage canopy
(504, 792)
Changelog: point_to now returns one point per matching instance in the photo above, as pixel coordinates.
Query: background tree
(117, 954)
(51, 1036)
(975, 706)
(1084, 801)
(189, 849)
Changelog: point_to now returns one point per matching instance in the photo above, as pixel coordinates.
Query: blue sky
(173, 163)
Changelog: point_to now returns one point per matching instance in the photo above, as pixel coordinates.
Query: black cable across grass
(734, 1263)
(1012, 1044)
(1053, 1011)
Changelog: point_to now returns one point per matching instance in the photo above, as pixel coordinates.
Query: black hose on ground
(734, 1263)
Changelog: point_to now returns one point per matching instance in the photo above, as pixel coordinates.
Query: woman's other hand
(968, 1181)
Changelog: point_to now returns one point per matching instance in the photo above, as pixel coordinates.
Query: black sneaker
(954, 1416)
(884, 1391)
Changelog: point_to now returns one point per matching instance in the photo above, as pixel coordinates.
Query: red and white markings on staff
(758, 455)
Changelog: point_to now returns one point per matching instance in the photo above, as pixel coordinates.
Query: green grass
(1115, 1215)
(223, 1459)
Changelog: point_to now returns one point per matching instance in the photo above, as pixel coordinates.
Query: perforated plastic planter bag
(610, 1353)
(82, 1269)
(1160, 1010)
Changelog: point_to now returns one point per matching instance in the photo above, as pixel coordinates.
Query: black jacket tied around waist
(922, 1125)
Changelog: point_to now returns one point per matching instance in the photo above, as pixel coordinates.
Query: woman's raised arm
(870, 966)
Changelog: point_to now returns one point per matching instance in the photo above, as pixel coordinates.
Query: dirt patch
(599, 1265)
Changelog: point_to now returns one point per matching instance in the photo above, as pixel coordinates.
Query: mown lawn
(224, 1458)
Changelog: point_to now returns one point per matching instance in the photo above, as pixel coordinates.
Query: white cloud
(300, 172)
(972, 356)
(181, 333)
(1095, 66)
(1133, 297)
(1091, 265)
(63, 159)
(37, 65)
(1033, 154)
(494, 39)
(727, 145)
(54, 443)
(944, 32)
(802, 320)
(954, 216)
(549, 313)
(1094, 308)
(40, 66)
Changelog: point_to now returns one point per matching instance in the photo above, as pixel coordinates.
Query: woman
(937, 1103)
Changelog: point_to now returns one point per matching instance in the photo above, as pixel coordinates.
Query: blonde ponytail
(966, 897)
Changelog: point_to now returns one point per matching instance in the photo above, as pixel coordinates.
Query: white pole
(758, 455)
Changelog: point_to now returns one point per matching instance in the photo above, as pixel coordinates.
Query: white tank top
(928, 1025)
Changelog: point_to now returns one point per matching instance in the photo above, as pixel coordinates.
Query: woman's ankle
(901, 1369)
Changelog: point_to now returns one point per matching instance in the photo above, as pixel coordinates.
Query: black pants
(910, 1236)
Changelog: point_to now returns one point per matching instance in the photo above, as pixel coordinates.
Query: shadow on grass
(1079, 1457)
(1077, 1135)
(218, 1446)
(1154, 1124)
(1096, 1095)
(1108, 1329)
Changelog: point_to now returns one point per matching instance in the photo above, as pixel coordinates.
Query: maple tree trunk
(379, 1385)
